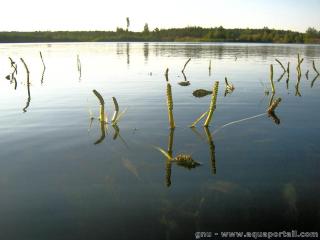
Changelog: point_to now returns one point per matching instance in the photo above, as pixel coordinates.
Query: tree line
(187, 34)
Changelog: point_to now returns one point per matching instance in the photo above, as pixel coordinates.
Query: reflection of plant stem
(168, 160)
(298, 88)
(198, 134)
(28, 86)
(279, 79)
(103, 132)
(79, 66)
(117, 134)
(274, 117)
(313, 81)
(168, 172)
(185, 77)
(314, 67)
(44, 66)
(212, 150)
(210, 68)
(15, 81)
(42, 76)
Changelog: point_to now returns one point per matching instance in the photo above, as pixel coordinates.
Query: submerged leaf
(201, 93)
(184, 83)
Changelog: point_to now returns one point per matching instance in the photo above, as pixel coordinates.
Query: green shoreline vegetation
(188, 34)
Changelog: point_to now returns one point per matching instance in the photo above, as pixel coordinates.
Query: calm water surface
(256, 175)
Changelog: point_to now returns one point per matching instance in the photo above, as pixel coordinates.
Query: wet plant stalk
(28, 85)
(271, 78)
(100, 98)
(170, 106)
(116, 110)
(281, 65)
(167, 74)
(212, 106)
(185, 65)
(274, 105)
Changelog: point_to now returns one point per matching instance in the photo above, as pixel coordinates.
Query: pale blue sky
(30, 15)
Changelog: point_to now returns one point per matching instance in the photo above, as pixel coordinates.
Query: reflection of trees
(146, 51)
(219, 51)
(128, 53)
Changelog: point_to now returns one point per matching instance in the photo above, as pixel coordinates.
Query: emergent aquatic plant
(170, 106)
(185, 65)
(229, 87)
(212, 107)
(28, 85)
(299, 66)
(284, 70)
(271, 78)
(184, 160)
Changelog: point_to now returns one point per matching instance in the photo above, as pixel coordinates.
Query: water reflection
(182, 160)
(102, 131)
(314, 80)
(185, 82)
(128, 53)
(210, 142)
(146, 52)
(282, 75)
(297, 86)
(232, 51)
(79, 67)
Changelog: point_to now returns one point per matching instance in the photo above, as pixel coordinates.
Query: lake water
(60, 178)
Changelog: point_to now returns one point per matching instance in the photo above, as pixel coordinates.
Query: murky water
(61, 178)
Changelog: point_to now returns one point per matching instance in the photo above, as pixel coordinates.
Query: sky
(36, 15)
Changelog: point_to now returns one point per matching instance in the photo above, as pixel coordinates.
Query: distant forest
(188, 34)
